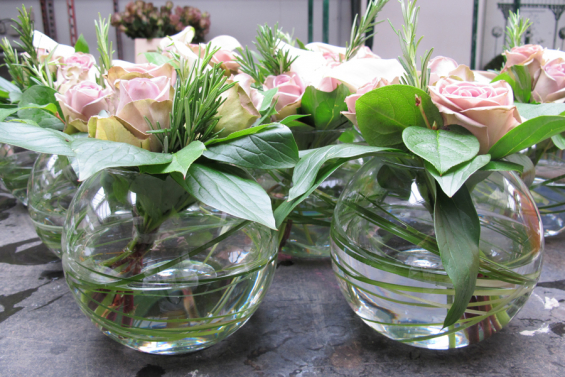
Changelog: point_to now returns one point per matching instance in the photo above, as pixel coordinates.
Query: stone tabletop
(303, 328)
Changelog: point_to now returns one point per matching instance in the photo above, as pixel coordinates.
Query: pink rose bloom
(550, 86)
(441, 66)
(122, 70)
(486, 110)
(74, 69)
(530, 56)
(83, 101)
(291, 88)
(352, 99)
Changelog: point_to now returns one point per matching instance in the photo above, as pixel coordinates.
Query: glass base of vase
(308, 241)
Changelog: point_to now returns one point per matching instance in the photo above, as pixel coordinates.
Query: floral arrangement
(144, 20)
(203, 114)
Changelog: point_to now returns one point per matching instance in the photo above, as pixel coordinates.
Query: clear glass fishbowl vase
(158, 271)
(15, 168)
(51, 188)
(548, 191)
(387, 263)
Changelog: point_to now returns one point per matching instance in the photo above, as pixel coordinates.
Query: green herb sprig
(409, 47)
(271, 59)
(516, 28)
(104, 48)
(25, 28)
(15, 68)
(198, 96)
(359, 32)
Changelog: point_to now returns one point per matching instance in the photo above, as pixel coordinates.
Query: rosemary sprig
(409, 48)
(13, 64)
(367, 23)
(516, 28)
(271, 59)
(104, 48)
(198, 96)
(25, 28)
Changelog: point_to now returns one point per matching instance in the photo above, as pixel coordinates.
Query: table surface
(304, 327)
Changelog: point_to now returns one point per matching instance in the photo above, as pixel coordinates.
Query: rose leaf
(181, 160)
(451, 181)
(324, 108)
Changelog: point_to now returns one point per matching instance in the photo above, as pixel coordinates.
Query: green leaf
(348, 136)
(503, 166)
(223, 188)
(4, 113)
(324, 107)
(238, 134)
(444, 149)
(271, 148)
(82, 45)
(268, 99)
(156, 58)
(458, 231)
(523, 162)
(529, 111)
(38, 95)
(8, 86)
(181, 160)
(307, 169)
(519, 78)
(301, 45)
(35, 138)
(527, 134)
(291, 119)
(286, 207)
(451, 181)
(384, 113)
(42, 118)
(559, 141)
(94, 155)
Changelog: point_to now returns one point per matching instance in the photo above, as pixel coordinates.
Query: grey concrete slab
(303, 328)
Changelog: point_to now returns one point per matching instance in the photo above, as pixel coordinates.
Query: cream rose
(550, 86)
(74, 69)
(82, 102)
(486, 110)
(122, 70)
(441, 66)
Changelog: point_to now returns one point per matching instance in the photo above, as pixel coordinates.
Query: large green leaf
(82, 45)
(238, 134)
(307, 169)
(519, 78)
(503, 166)
(35, 138)
(529, 111)
(181, 160)
(527, 134)
(286, 207)
(8, 86)
(444, 149)
(458, 231)
(4, 113)
(40, 95)
(271, 148)
(224, 188)
(41, 117)
(384, 113)
(324, 108)
(451, 181)
(94, 155)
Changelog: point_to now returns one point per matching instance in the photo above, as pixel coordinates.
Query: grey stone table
(303, 328)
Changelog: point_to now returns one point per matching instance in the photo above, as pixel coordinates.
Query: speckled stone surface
(303, 328)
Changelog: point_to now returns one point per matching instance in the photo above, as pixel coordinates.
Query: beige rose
(115, 129)
(531, 56)
(550, 86)
(441, 66)
(487, 110)
(74, 69)
(122, 70)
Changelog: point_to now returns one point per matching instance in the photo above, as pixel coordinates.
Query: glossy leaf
(529, 111)
(181, 160)
(444, 149)
(238, 134)
(451, 181)
(282, 211)
(156, 58)
(307, 169)
(324, 107)
(42, 118)
(503, 166)
(519, 78)
(225, 189)
(94, 155)
(268, 99)
(458, 231)
(82, 45)
(7, 86)
(527, 134)
(384, 113)
(35, 138)
(4, 113)
(271, 148)
(523, 162)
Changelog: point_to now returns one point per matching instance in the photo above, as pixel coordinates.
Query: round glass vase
(548, 191)
(51, 188)
(306, 231)
(15, 168)
(385, 257)
(158, 271)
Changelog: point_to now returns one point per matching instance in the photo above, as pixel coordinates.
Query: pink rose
(83, 101)
(126, 71)
(441, 66)
(550, 86)
(291, 88)
(74, 69)
(530, 56)
(487, 110)
(352, 99)
(157, 89)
